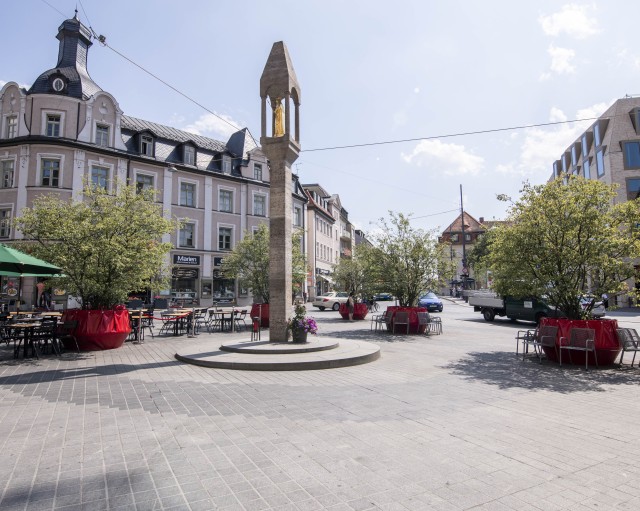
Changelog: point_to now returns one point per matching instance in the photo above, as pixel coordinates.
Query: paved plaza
(449, 422)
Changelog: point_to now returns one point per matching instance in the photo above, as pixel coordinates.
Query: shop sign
(185, 273)
(322, 271)
(217, 261)
(186, 259)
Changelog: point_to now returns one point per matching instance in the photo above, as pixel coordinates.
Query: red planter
(607, 346)
(359, 311)
(261, 310)
(98, 329)
(414, 326)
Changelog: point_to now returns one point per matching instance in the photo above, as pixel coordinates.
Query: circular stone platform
(319, 353)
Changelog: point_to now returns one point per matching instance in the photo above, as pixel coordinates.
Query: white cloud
(210, 125)
(561, 60)
(416, 90)
(450, 159)
(2, 83)
(573, 20)
(542, 146)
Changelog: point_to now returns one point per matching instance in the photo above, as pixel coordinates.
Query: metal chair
(581, 339)
(401, 318)
(540, 338)
(424, 321)
(380, 320)
(240, 320)
(66, 332)
(629, 340)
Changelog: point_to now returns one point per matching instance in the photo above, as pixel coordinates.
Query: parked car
(383, 297)
(597, 307)
(331, 300)
(431, 302)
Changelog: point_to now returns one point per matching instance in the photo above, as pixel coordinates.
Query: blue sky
(370, 71)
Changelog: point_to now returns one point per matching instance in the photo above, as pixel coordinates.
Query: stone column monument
(278, 85)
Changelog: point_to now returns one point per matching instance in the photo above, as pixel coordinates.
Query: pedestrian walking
(351, 305)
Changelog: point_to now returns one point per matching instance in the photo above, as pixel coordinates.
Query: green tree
(566, 238)
(249, 262)
(404, 261)
(107, 244)
(356, 274)
(478, 254)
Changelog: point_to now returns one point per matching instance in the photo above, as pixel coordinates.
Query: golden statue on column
(278, 117)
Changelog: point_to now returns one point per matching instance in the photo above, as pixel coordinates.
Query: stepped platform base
(318, 353)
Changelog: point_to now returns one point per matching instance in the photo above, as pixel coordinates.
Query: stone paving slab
(450, 422)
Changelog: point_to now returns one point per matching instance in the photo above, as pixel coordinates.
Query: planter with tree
(351, 275)
(249, 263)
(563, 240)
(107, 245)
(404, 261)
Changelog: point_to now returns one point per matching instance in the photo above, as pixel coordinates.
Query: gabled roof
(173, 134)
(471, 224)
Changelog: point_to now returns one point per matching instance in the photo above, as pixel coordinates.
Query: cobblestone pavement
(449, 422)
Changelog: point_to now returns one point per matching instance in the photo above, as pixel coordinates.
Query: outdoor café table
(226, 316)
(179, 318)
(24, 330)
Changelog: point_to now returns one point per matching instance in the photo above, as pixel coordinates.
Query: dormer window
(102, 135)
(53, 125)
(11, 131)
(226, 165)
(635, 119)
(189, 155)
(146, 145)
(257, 172)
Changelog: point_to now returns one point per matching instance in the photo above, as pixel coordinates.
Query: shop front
(223, 290)
(185, 280)
(324, 282)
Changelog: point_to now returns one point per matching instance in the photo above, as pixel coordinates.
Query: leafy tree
(107, 245)
(404, 261)
(355, 274)
(566, 238)
(478, 254)
(249, 261)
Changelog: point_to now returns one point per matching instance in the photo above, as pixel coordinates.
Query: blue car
(431, 302)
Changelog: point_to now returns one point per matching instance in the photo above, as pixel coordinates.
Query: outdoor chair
(629, 341)
(45, 335)
(147, 322)
(401, 318)
(66, 332)
(168, 323)
(213, 321)
(240, 319)
(580, 339)
(435, 325)
(380, 320)
(424, 321)
(540, 338)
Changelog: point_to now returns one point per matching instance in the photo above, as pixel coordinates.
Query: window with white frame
(54, 121)
(224, 238)
(6, 176)
(186, 237)
(100, 177)
(226, 201)
(102, 135)
(260, 205)
(50, 172)
(188, 194)
(144, 182)
(146, 145)
(11, 131)
(297, 217)
(257, 171)
(189, 155)
(5, 223)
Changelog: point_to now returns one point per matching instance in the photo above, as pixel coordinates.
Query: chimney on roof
(481, 219)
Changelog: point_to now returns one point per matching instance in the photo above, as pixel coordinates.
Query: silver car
(331, 300)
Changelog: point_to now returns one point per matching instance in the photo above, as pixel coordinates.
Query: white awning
(326, 277)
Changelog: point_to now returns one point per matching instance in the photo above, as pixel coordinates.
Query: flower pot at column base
(299, 336)
(98, 329)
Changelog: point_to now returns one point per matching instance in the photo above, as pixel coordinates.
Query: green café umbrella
(14, 262)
